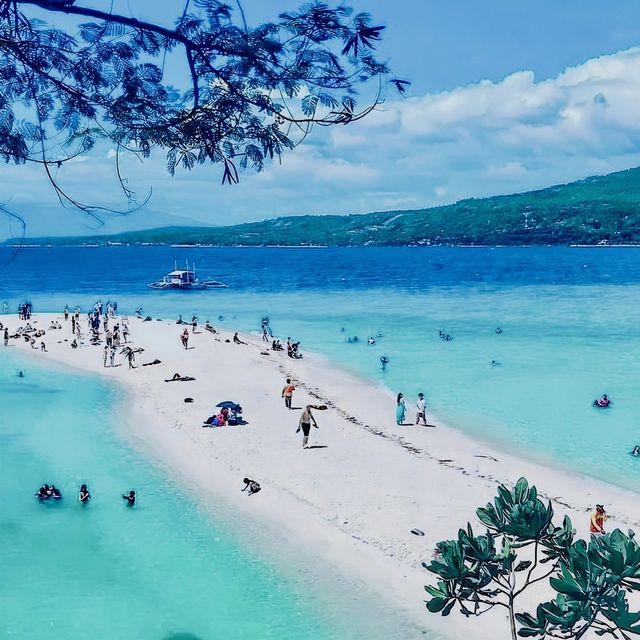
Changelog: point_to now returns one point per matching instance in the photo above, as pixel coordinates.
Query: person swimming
(371, 341)
(495, 363)
(130, 498)
(43, 492)
(83, 495)
(635, 451)
(384, 361)
(603, 402)
(55, 492)
(498, 330)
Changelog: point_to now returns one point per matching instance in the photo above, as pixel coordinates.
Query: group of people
(24, 310)
(51, 492)
(293, 349)
(27, 333)
(421, 410)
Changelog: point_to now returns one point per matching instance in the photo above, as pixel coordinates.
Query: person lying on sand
(251, 485)
(178, 378)
(209, 327)
(148, 364)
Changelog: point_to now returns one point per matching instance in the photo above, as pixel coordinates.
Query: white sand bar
(354, 501)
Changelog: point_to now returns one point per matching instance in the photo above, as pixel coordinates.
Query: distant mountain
(597, 210)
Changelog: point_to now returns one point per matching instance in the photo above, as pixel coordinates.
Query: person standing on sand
(287, 393)
(421, 410)
(106, 355)
(306, 418)
(131, 357)
(112, 357)
(598, 518)
(6, 337)
(185, 338)
(401, 409)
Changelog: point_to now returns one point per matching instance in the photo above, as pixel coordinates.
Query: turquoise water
(165, 570)
(571, 331)
(570, 320)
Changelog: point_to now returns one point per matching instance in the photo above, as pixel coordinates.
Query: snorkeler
(130, 498)
(83, 495)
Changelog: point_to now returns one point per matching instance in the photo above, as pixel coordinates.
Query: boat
(185, 279)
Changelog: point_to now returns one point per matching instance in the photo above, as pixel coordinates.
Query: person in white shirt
(421, 410)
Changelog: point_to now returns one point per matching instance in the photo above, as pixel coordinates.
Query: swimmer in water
(635, 451)
(43, 492)
(83, 495)
(498, 330)
(21, 374)
(603, 402)
(130, 498)
(495, 363)
(371, 341)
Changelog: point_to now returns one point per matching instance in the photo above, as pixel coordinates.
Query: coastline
(353, 503)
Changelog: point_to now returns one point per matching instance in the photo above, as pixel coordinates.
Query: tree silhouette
(248, 93)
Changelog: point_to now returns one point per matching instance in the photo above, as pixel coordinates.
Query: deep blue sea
(570, 321)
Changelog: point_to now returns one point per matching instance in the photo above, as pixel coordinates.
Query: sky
(506, 96)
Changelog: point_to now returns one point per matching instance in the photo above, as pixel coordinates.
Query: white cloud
(485, 138)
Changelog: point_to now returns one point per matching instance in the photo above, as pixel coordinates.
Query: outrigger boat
(185, 279)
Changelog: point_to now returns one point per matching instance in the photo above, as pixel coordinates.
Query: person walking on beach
(106, 355)
(287, 393)
(598, 518)
(131, 358)
(185, 338)
(421, 410)
(306, 418)
(401, 409)
(194, 323)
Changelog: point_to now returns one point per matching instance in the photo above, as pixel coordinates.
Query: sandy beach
(353, 498)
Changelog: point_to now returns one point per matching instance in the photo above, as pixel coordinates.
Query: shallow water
(164, 570)
(570, 320)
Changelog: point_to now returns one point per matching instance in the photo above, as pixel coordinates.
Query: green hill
(597, 210)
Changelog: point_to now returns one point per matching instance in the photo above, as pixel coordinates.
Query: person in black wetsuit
(83, 495)
(130, 498)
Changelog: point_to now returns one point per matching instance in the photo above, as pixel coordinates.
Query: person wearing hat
(598, 518)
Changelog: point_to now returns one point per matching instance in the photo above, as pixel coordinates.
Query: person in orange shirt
(287, 393)
(598, 518)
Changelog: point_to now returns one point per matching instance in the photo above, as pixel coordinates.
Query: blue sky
(507, 95)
